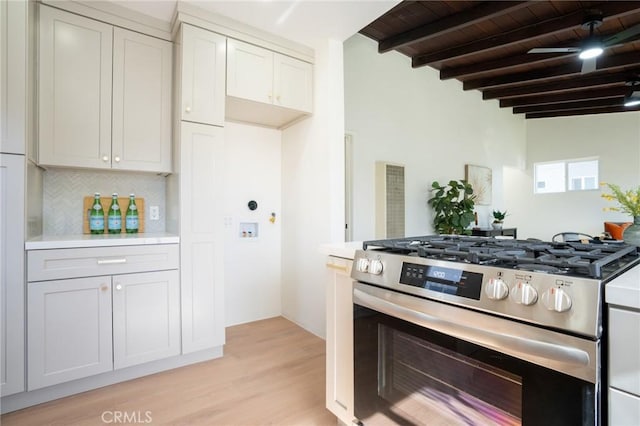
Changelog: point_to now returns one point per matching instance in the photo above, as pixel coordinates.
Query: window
(561, 176)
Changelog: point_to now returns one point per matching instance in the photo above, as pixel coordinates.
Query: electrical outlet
(154, 213)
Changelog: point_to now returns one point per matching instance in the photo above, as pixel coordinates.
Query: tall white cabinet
(13, 135)
(104, 95)
(198, 185)
(12, 288)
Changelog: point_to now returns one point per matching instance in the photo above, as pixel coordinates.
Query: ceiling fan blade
(623, 36)
(588, 65)
(554, 50)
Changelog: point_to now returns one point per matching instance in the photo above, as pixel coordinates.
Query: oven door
(419, 362)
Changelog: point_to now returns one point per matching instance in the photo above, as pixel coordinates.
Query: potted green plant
(453, 206)
(498, 219)
(629, 203)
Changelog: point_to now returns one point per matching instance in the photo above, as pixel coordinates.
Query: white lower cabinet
(82, 326)
(69, 330)
(339, 390)
(146, 317)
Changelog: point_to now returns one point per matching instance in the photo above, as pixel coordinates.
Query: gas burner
(547, 269)
(601, 260)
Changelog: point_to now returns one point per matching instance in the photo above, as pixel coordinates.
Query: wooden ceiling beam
(607, 63)
(579, 82)
(484, 11)
(563, 23)
(602, 110)
(500, 64)
(563, 106)
(574, 95)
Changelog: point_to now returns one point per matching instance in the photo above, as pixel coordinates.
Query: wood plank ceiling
(485, 45)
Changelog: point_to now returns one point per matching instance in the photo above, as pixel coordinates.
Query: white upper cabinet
(13, 80)
(203, 76)
(292, 83)
(258, 77)
(249, 72)
(88, 70)
(74, 90)
(142, 81)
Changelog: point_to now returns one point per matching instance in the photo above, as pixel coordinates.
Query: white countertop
(625, 289)
(344, 250)
(45, 242)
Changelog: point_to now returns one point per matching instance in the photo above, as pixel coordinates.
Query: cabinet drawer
(624, 350)
(624, 409)
(45, 265)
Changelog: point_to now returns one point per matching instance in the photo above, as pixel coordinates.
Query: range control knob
(524, 294)
(496, 289)
(363, 265)
(375, 266)
(556, 299)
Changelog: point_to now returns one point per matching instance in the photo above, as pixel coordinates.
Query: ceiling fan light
(591, 52)
(633, 99)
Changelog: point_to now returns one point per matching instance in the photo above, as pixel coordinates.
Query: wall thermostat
(252, 205)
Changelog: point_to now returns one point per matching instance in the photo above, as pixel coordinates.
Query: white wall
(613, 138)
(252, 265)
(408, 116)
(312, 193)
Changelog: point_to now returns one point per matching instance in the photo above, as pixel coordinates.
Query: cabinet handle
(111, 261)
(270, 96)
(105, 158)
(117, 159)
(278, 98)
(187, 109)
(337, 267)
(104, 287)
(118, 286)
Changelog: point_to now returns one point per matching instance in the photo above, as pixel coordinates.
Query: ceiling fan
(593, 46)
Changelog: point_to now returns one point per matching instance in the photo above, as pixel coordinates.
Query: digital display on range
(443, 280)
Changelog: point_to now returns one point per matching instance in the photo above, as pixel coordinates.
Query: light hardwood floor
(272, 373)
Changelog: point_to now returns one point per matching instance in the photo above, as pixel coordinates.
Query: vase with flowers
(628, 202)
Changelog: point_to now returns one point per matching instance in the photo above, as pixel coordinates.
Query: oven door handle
(521, 347)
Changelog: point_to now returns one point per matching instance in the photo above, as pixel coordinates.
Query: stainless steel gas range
(474, 330)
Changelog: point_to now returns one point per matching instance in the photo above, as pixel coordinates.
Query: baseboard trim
(27, 399)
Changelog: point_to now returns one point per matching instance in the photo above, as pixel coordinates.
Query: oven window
(420, 377)
(409, 375)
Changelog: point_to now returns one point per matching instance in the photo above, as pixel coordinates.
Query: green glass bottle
(114, 218)
(96, 216)
(131, 218)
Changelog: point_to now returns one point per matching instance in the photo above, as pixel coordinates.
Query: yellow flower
(629, 200)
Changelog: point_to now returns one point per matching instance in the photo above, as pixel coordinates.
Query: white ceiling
(303, 21)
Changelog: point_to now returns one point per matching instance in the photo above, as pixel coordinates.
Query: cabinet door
(146, 317)
(12, 277)
(339, 397)
(69, 330)
(74, 90)
(292, 83)
(13, 71)
(201, 236)
(249, 72)
(142, 84)
(203, 76)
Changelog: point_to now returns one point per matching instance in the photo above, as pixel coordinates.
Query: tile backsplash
(65, 189)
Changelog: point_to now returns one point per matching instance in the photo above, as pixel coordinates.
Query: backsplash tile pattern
(64, 190)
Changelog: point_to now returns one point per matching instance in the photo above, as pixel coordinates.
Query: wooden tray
(123, 202)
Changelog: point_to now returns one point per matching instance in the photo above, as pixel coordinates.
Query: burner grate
(594, 260)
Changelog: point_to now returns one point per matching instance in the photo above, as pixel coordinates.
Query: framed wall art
(480, 179)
